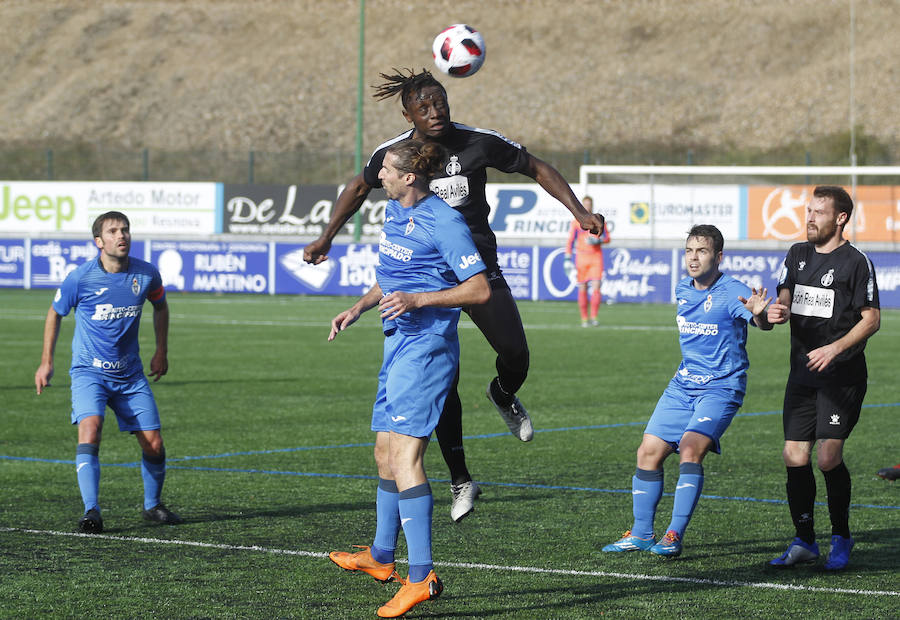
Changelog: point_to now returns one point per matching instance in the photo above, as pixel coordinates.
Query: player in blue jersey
(828, 292)
(428, 268)
(461, 180)
(107, 295)
(703, 396)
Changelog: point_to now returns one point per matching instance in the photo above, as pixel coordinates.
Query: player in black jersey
(827, 290)
(470, 151)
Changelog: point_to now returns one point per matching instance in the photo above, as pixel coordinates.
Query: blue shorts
(707, 411)
(413, 383)
(131, 401)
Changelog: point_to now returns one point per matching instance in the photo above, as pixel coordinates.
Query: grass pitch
(266, 429)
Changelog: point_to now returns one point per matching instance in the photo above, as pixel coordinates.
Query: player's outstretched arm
(349, 316)
(348, 203)
(44, 372)
(159, 363)
(471, 292)
(757, 304)
(553, 182)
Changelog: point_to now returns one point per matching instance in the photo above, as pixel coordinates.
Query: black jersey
(828, 292)
(470, 151)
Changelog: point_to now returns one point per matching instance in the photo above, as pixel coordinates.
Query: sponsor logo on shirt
(698, 379)
(813, 301)
(101, 291)
(394, 250)
(468, 261)
(453, 189)
(108, 312)
(104, 365)
(693, 328)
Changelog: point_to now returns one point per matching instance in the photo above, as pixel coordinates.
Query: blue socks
(687, 493)
(87, 470)
(153, 471)
(416, 505)
(646, 490)
(387, 524)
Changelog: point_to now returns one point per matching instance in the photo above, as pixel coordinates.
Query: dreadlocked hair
(405, 85)
(424, 159)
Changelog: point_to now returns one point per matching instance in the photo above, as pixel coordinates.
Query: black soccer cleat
(91, 523)
(161, 514)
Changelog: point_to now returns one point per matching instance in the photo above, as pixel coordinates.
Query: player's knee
(795, 456)
(828, 461)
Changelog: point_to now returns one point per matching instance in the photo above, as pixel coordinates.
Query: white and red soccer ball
(459, 50)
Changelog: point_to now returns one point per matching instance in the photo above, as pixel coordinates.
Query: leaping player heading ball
(461, 182)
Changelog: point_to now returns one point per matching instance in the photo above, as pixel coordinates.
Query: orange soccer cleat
(363, 561)
(410, 595)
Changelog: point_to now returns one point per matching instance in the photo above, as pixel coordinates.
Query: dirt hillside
(278, 75)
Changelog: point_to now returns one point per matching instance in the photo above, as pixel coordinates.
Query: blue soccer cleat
(839, 555)
(669, 546)
(630, 543)
(798, 552)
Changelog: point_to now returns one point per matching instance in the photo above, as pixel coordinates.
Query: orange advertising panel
(779, 212)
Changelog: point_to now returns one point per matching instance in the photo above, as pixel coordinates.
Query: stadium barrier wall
(219, 237)
(631, 275)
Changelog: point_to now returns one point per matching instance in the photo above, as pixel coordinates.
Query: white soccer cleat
(463, 499)
(515, 416)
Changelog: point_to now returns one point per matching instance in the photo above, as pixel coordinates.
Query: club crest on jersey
(828, 278)
(801, 265)
(707, 305)
(135, 286)
(453, 167)
(410, 226)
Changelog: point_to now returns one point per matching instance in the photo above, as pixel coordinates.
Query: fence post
(50, 164)
(146, 162)
(250, 163)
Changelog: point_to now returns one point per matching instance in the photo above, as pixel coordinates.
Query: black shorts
(829, 412)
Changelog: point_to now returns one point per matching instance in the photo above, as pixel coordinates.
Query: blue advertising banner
(212, 266)
(12, 262)
(349, 270)
(52, 260)
(629, 275)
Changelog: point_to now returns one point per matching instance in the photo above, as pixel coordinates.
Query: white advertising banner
(36, 207)
(632, 211)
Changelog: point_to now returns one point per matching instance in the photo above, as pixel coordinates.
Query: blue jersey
(425, 248)
(107, 315)
(712, 328)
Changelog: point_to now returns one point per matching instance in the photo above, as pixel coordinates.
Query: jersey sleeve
(573, 235)
(455, 244)
(786, 277)
(865, 287)
(506, 155)
(373, 167)
(156, 293)
(735, 307)
(66, 296)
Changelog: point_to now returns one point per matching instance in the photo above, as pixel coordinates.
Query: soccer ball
(459, 51)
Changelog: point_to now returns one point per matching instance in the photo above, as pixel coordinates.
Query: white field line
(466, 565)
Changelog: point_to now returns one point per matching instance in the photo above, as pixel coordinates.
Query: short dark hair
(406, 84)
(710, 232)
(839, 196)
(424, 159)
(97, 227)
